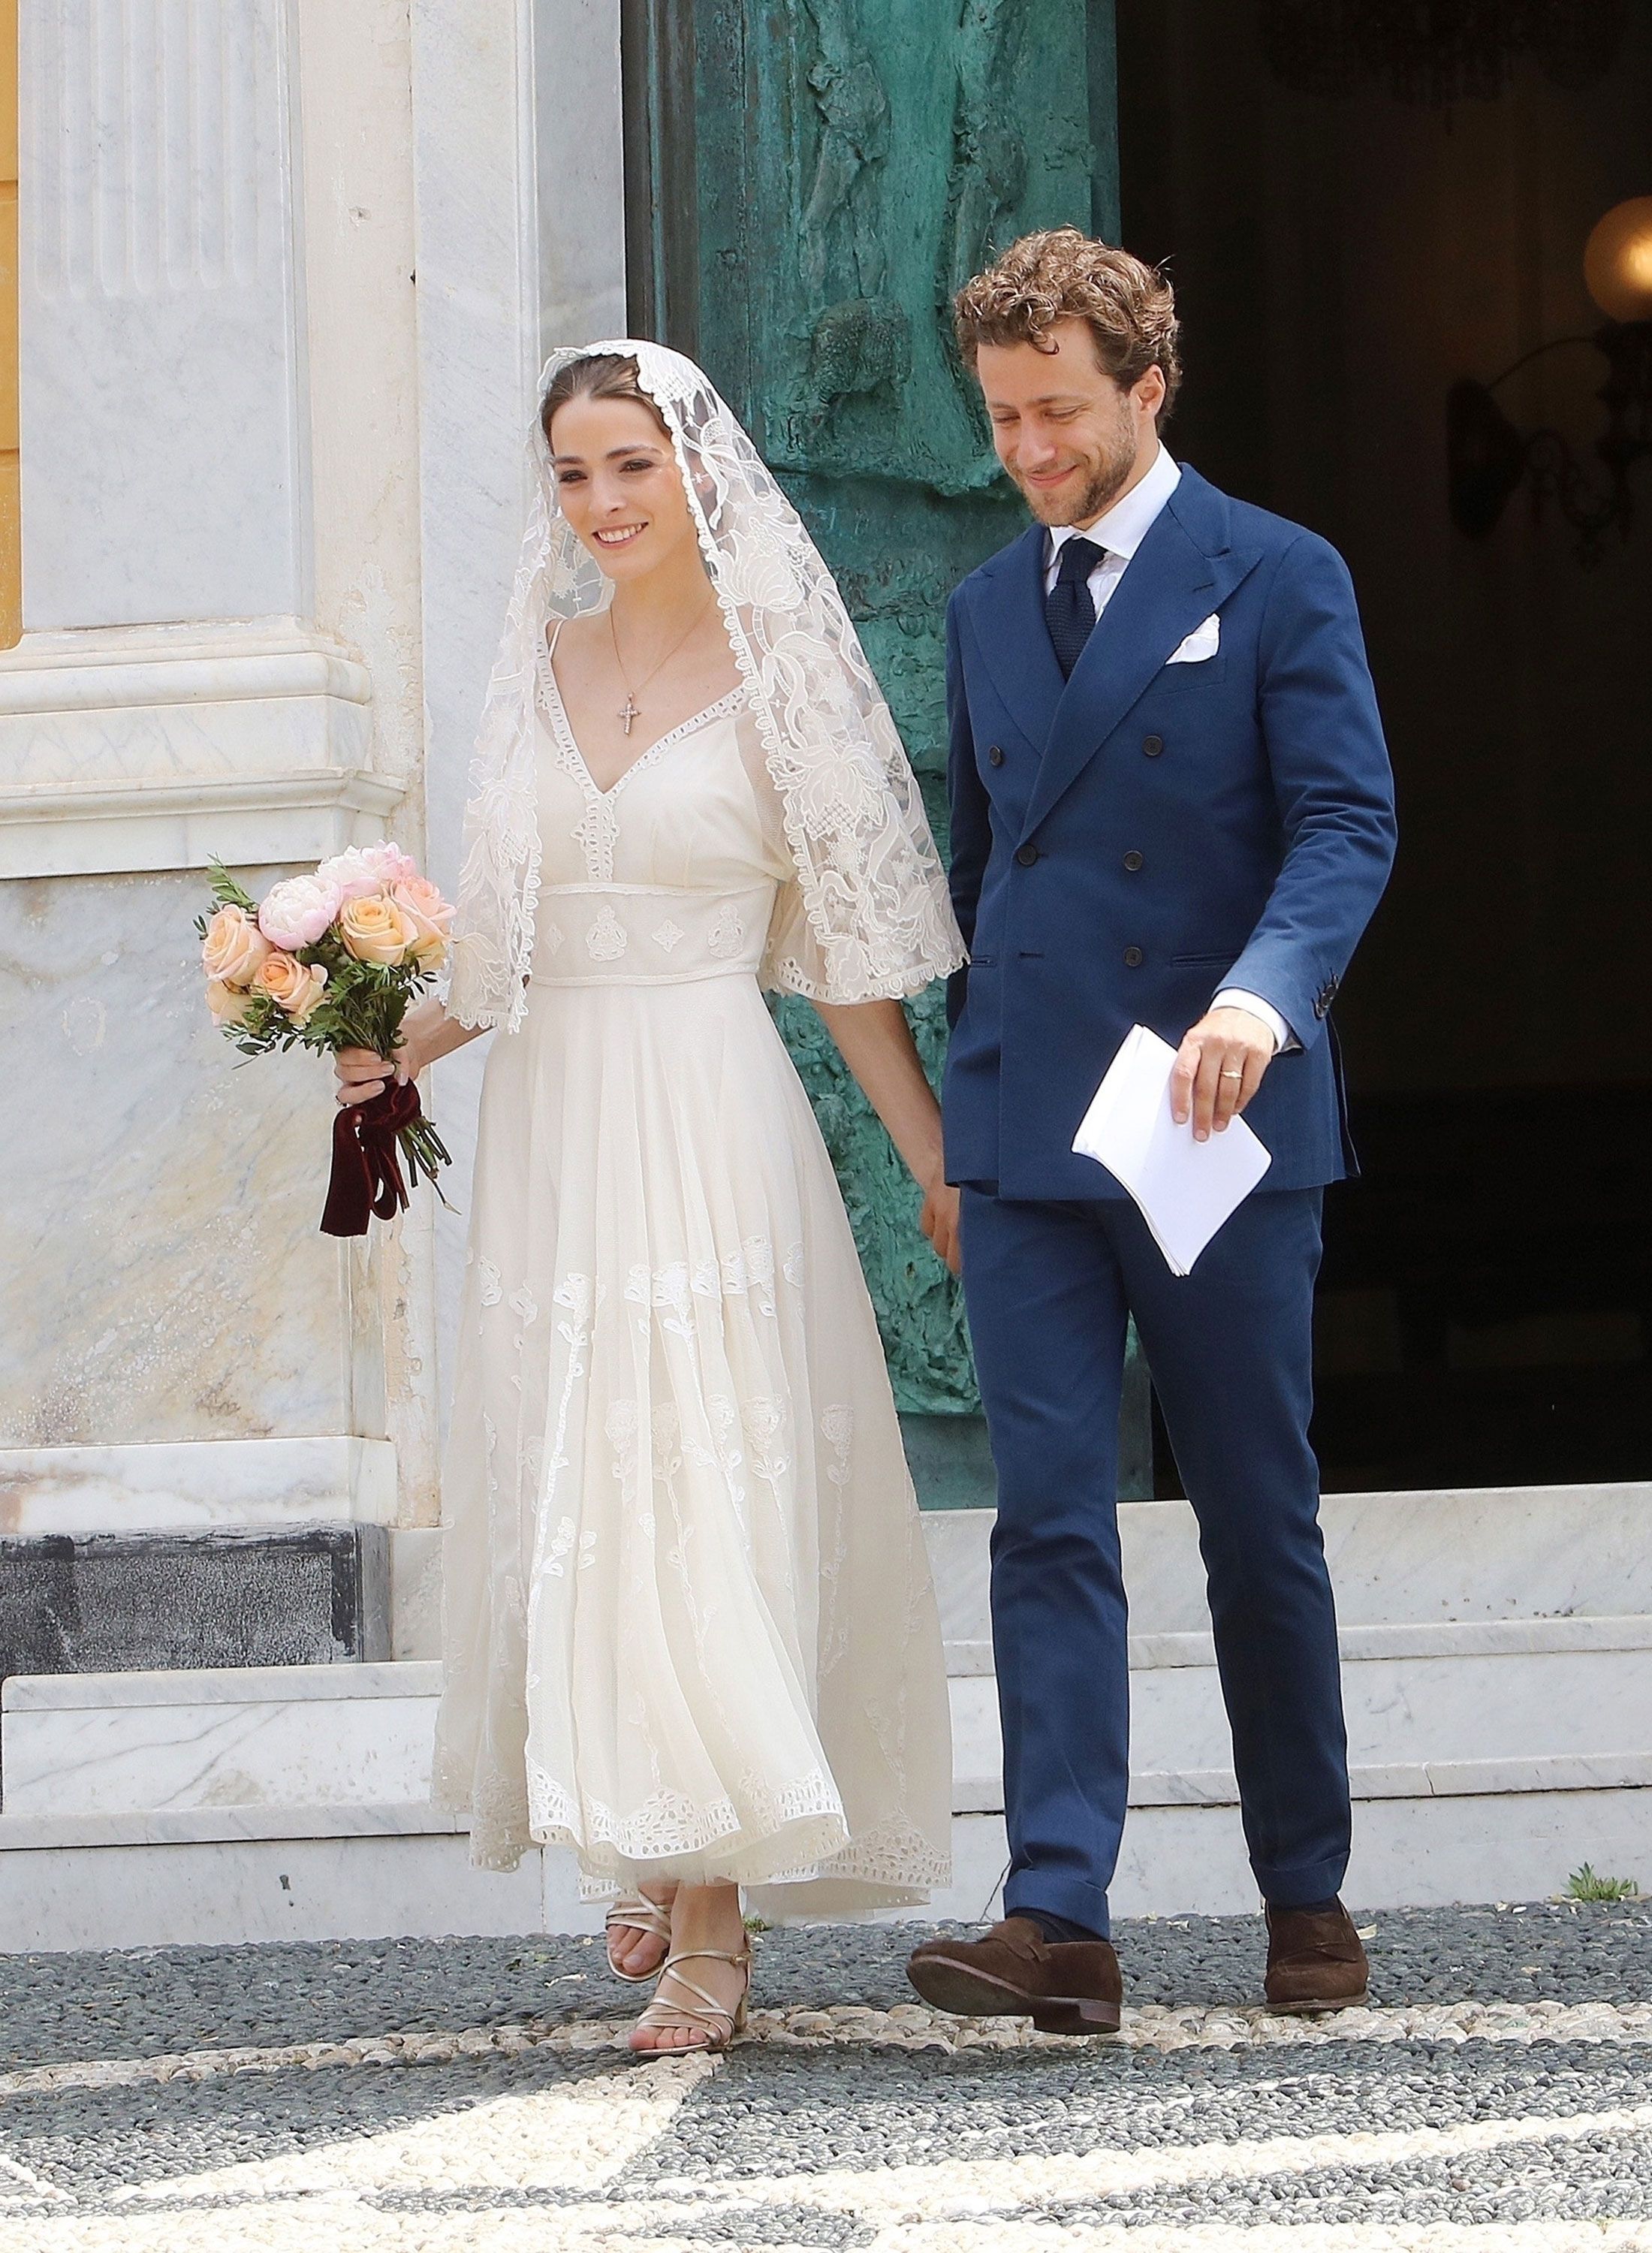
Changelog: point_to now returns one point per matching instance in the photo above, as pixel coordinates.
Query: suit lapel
(1007, 606)
(1176, 578)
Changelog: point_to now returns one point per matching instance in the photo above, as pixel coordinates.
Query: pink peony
(295, 914)
(430, 914)
(367, 868)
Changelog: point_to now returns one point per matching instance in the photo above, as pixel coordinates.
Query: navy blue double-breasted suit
(1125, 844)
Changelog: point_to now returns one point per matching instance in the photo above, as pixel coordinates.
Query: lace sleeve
(867, 880)
(795, 960)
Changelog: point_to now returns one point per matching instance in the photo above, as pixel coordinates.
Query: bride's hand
(939, 1221)
(361, 1075)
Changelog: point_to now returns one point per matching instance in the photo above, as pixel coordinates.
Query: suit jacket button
(1133, 958)
(996, 757)
(1153, 745)
(1132, 861)
(1026, 855)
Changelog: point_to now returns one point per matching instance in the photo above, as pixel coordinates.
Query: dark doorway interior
(1341, 257)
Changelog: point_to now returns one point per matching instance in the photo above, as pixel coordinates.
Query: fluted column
(218, 317)
(165, 472)
(199, 673)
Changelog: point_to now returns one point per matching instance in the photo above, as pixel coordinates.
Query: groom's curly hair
(1060, 275)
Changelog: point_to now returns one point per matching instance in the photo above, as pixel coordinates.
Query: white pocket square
(1203, 642)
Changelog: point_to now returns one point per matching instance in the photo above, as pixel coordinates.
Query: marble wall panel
(164, 1277)
(164, 471)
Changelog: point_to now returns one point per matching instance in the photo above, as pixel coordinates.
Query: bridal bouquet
(333, 961)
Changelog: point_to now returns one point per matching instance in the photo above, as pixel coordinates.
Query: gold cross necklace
(633, 711)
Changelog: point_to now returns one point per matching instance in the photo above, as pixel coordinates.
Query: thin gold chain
(633, 710)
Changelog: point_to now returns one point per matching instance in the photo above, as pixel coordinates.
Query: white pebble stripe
(906, 2027)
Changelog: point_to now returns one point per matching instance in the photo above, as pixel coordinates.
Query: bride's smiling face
(618, 484)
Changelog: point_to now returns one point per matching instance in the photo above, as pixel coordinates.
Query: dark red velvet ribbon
(367, 1161)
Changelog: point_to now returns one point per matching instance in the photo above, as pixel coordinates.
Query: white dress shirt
(1119, 531)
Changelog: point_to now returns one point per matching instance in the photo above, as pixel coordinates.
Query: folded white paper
(1186, 1189)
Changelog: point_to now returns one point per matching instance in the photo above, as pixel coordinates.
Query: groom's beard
(1108, 476)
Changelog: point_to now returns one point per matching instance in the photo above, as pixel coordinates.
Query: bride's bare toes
(638, 1931)
(635, 1952)
(649, 2040)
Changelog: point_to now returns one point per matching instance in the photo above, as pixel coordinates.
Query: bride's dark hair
(599, 375)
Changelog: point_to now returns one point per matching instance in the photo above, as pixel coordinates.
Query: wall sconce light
(1487, 459)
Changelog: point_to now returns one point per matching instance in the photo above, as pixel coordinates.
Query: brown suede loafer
(1315, 1962)
(1064, 1986)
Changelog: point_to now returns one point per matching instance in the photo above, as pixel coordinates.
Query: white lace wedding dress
(689, 1625)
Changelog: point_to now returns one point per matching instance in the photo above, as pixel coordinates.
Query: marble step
(73, 1745)
(295, 1806)
(1455, 1556)
(224, 1876)
(1458, 1708)
(1412, 1853)
(1493, 1708)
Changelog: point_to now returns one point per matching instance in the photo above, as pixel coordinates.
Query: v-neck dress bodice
(674, 872)
(689, 1629)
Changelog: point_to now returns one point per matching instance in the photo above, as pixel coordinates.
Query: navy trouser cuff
(1308, 1881)
(1058, 1896)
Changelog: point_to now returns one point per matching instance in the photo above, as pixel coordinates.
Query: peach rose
(233, 948)
(366, 868)
(294, 987)
(431, 917)
(228, 1004)
(296, 913)
(376, 930)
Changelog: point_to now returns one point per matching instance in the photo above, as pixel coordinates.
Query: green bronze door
(809, 182)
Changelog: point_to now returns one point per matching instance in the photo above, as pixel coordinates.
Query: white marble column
(221, 656)
(290, 269)
(177, 693)
(521, 245)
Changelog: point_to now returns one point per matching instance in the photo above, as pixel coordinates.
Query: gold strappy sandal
(641, 1914)
(708, 2015)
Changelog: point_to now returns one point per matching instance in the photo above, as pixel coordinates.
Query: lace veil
(868, 877)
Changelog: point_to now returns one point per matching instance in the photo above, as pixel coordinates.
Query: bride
(689, 1630)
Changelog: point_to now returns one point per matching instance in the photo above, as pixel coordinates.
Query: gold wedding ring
(1233, 1075)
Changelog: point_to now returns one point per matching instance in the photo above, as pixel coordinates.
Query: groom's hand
(1218, 1069)
(939, 1222)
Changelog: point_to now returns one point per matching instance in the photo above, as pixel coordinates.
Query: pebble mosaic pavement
(430, 2096)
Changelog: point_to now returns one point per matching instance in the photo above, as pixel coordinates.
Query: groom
(1171, 807)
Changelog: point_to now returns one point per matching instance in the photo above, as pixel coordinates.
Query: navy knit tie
(1068, 610)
